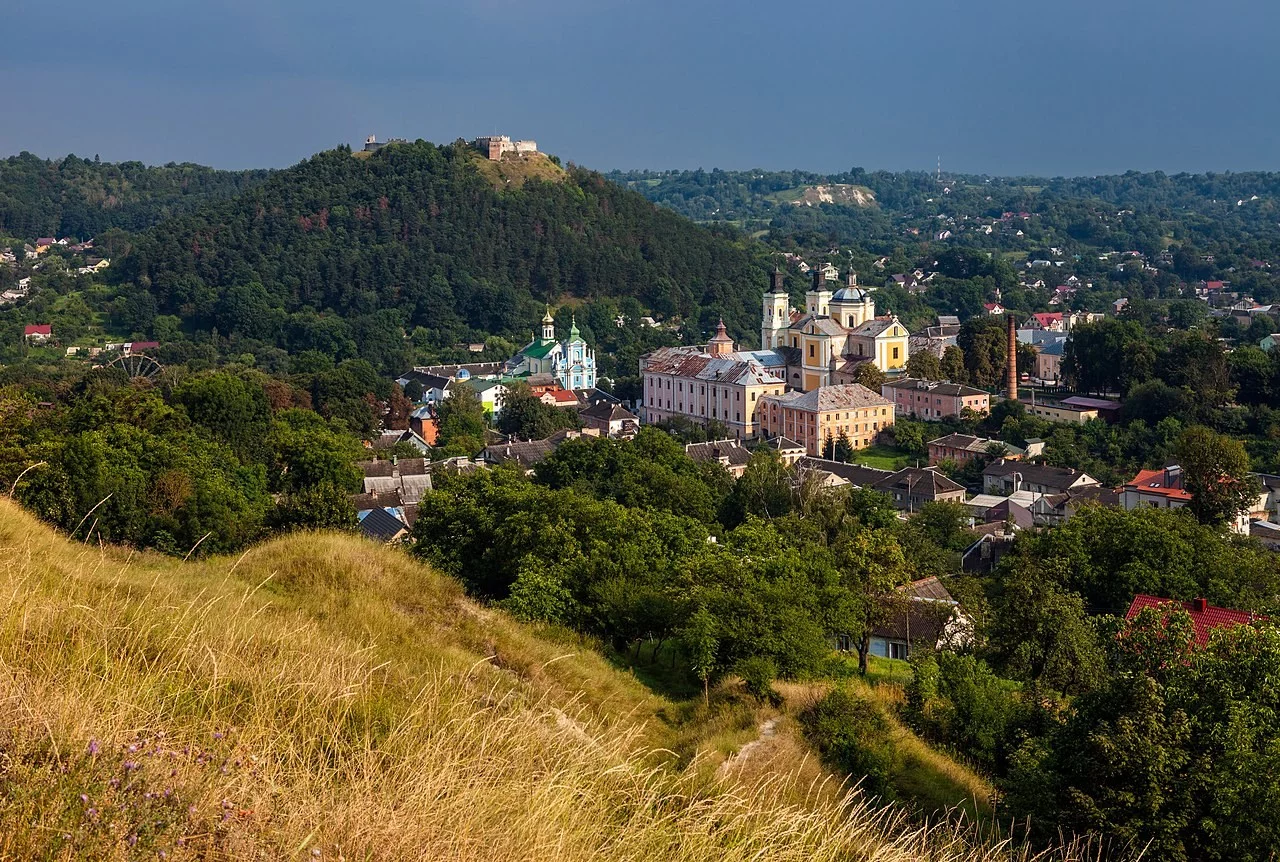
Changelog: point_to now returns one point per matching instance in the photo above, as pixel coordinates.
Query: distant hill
(438, 238)
(80, 198)
(840, 194)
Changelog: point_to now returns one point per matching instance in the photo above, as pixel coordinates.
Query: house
(837, 473)
(610, 420)
(490, 392)
(527, 453)
(921, 614)
(934, 339)
(1049, 320)
(423, 422)
(390, 439)
(730, 454)
(789, 451)
(1204, 616)
(382, 526)
(948, 320)
(1119, 305)
(133, 348)
(810, 418)
(45, 243)
(993, 308)
(1055, 411)
(912, 487)
(569, 361)
(559, 398)
(37, 333)
(933, 400)
(1165, 489)
(993, 541)
(1049, 362)
(963, 448)
(1267, 533)
(1269, 342)
(408, 478)
(1006, 476)
(1054, 509)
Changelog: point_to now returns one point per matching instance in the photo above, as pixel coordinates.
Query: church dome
(850, 294)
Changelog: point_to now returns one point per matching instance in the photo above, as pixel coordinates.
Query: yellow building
(834, 333)
(809, 418)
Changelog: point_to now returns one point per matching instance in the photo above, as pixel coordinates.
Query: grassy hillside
(320, 697)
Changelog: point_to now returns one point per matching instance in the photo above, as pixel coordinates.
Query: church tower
(776, 315)
(548, 326)
(818, 299)
(852, 306)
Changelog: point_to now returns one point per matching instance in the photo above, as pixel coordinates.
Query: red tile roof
(1159, 482)
(1204, 616)
(1044, 318)
(38, 329)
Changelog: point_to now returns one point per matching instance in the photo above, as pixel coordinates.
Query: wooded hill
(81, 198)
(418, 236)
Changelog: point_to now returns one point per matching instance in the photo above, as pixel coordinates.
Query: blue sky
(995, 86)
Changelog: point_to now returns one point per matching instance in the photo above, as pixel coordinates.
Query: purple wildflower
(84, 798)
(93, 748)
(217, 734)
(130, 765)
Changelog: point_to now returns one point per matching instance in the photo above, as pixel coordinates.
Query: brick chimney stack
(1012, 383)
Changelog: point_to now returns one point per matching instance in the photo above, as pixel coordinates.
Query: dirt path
(768, 729)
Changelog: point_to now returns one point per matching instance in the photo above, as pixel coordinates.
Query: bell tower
(548, 326)
(776, 314)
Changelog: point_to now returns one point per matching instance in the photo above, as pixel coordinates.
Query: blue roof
(1055, 349)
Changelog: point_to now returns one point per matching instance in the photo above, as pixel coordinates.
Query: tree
(843, 448)
(462, 424)
(872, 567)
(1216, 474)
(952, 365)
(925, 365)
(869, 376)
(317, 507)
(700, 644)
(525, 416)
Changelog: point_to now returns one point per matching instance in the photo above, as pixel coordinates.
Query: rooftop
(945, 387)
(846, 396)
(1204, 616)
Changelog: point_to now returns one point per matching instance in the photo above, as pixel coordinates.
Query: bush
(758, 673)
(853, 736)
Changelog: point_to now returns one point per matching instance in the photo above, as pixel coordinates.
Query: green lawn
(883, 457)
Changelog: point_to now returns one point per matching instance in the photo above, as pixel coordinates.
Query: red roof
(1044, 318)
(38, 329)
(46, 240)
(1160, 482)
(562, 396)
(1214, 285)
(1204, 616)
(992, 306)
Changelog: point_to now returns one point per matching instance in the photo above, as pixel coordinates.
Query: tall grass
(320, 697)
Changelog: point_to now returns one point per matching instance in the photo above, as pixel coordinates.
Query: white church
(570, 362)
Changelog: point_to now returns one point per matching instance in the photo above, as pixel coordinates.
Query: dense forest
(81, 198)
(342, 254)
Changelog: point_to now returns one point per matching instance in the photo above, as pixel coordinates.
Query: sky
(990, 86)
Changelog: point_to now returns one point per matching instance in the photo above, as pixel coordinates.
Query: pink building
(932, 400)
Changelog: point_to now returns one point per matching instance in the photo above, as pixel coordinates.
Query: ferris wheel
(137, 365)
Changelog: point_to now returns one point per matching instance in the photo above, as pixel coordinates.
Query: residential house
(1269, 342)
(1049, 320)
(1204, 616)
(1006, 476)
(409, 478)
(423, 422)
(1267, 533)
(1056, 411)
(993, 308)
(730, 454)
(912, 487)
(1054, 509)
(383, 526)
(527, 453)
(1165, 489)
(563, 398)
(610, 420)
(922, 615)
(933, 400)
(390, 439)
(838, 473)
(1049, 362)
(992, 541)
(37, 333)
(963, 448)
(490, 392)
(789, 451)
(810, 418)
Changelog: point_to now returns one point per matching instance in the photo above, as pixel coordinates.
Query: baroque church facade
(832, 335)
(570, 362)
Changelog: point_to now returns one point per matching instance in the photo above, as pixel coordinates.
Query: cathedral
(836, 331)
(570, 362)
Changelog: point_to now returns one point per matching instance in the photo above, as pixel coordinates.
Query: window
(810, 351)
(895, 353)
(898, 651)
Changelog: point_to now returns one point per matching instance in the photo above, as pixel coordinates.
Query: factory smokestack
(1012, 383)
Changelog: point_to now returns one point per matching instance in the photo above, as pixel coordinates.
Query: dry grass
(320, 697)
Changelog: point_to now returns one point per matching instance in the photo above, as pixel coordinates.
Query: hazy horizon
(997, 88)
